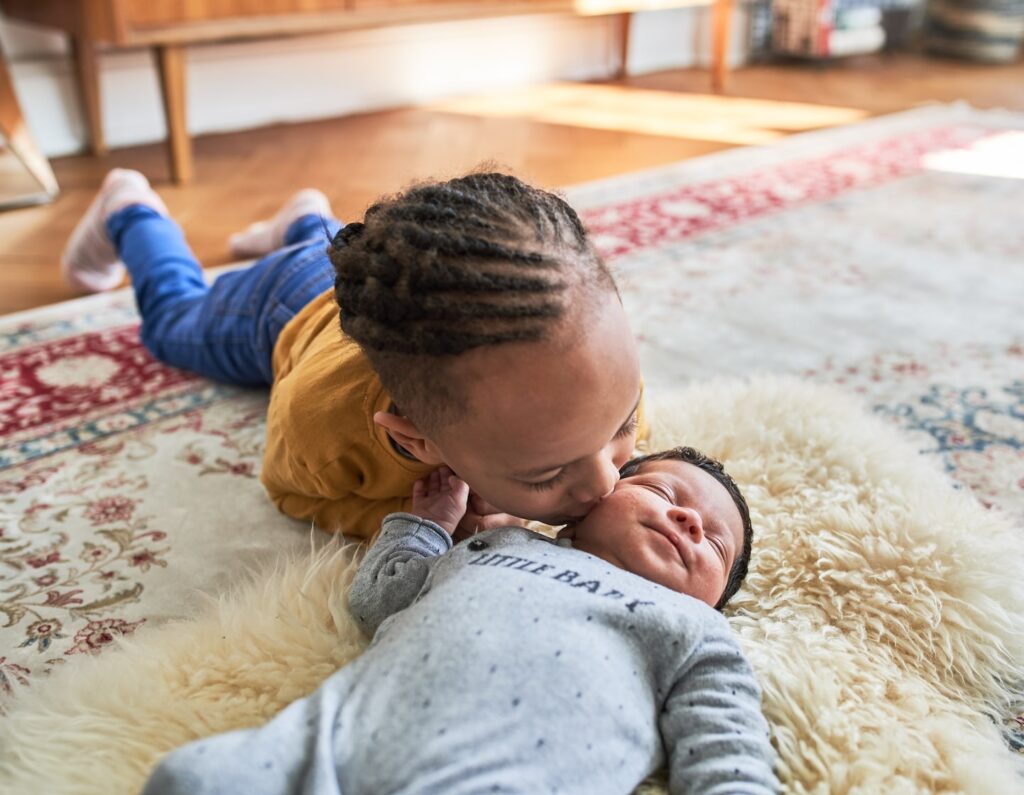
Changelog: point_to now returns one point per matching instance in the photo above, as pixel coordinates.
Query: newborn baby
(512, 663)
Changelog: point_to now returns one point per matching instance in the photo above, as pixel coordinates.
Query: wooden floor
(553, 135)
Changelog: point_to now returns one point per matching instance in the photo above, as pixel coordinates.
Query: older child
(511, 663)
(478, 329)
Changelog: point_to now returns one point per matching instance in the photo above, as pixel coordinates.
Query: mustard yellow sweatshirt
(326, 461)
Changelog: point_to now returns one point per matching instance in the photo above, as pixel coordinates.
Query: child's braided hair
(446, 267)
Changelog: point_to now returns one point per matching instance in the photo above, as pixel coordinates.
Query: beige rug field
(881, 615)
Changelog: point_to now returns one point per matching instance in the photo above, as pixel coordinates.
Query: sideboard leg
(171, 65)
(88, 74)
(625, 26)
(721, 22)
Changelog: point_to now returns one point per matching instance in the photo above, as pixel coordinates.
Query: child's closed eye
(545, 485)
(628, 428)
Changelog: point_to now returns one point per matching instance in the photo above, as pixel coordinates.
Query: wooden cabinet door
(149, 13)
(481, 8)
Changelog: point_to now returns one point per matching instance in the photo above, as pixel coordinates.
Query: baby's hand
(440, 497)
(480, 516)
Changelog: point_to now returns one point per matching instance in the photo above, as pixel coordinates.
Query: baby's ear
(405, 433)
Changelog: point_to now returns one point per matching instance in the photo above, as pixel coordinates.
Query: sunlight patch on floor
(704, 117)
(999, 155)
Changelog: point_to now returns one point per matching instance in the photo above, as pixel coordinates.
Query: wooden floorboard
(552, 135)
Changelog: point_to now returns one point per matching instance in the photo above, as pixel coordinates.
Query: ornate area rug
(126, 488)
(886, 258)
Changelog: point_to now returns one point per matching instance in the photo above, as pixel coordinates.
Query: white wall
(249, 84)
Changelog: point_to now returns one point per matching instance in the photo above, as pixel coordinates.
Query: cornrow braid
(447, 267)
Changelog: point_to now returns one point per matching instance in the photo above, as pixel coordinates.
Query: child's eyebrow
(544, 470)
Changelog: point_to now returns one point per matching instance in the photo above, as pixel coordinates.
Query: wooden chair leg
(625, 26)
(171, 65)
(721, 22)
(19, 139)
(88, 74)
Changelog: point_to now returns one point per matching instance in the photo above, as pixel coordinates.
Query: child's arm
(352, 514)
(393, 572)
(714, 733)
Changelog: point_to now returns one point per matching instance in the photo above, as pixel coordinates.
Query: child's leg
(183, 323)
(263, 237)
(89, 261)
(226, 331)
(319, 227)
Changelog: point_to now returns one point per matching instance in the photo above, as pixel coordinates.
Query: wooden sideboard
(168, 26)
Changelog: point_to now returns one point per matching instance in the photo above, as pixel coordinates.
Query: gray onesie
(510, 664)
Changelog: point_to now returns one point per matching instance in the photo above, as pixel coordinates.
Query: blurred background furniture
(826, 29)
(169, 26)
(822, 30)
(977, 30)
(25, 174)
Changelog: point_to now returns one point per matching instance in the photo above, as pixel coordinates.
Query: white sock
(263, 237)
(89, 261)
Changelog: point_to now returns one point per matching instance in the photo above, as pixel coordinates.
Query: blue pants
(225, 331)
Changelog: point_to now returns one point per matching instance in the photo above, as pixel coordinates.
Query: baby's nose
(690, 522)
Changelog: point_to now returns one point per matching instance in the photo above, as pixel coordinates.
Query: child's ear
(404, 432)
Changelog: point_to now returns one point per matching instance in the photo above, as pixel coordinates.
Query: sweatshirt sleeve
(395, 569)
(350, 514)
(351, 493)
(325, 459)
(715, 735)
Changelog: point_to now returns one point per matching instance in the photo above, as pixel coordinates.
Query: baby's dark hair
(717, 471)
(446, 267)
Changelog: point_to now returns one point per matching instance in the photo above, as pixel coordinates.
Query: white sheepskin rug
(882, 614)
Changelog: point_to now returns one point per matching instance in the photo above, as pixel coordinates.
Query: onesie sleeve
(714, 732)
(395, 568)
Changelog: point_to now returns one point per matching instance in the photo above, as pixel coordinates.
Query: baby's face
(672, 523)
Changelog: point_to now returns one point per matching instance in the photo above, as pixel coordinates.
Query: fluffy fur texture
(881, 612)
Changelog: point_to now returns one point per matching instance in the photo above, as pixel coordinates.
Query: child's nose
(598, 481)
(689, 521)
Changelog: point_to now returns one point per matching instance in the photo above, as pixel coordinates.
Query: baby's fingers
(427, 486)
(442, 474)
(459, 487)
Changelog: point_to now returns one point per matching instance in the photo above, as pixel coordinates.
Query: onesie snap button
(476, 545)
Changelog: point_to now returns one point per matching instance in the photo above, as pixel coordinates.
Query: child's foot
(263, 237)
(89, 261)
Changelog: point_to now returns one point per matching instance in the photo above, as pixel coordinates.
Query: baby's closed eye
(662, 491)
